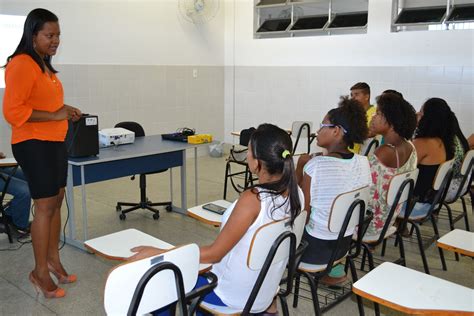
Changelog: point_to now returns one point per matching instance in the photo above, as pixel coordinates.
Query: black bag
(245, 136)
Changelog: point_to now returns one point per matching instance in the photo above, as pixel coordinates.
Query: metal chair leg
(284, 305)
(450, 216)
(297, 290)
(441, 253)
(402, 250)
(313, 284)
(464, 209)
(362, 262)
(384, 245)
(360, 304)
(227, 169)
(420, 246)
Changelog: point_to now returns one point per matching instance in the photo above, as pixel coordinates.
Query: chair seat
(225, 310)
(371, 239)
(221, 310)
(313, 268)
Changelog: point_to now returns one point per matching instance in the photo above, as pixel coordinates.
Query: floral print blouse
(381, 176)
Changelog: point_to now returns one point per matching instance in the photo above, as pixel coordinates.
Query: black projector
(82, 138)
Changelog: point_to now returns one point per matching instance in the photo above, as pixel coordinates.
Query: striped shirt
(330, 177)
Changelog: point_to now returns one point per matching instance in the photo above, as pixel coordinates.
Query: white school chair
(399, 195)
(272, 243)
(143, 286)
(347, 212)
(440, 186)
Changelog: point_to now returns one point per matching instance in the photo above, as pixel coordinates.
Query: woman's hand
(67, 112)
(145, 252)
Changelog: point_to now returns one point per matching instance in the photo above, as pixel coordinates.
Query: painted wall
(136, 60)
(139, 32)
(292, 79)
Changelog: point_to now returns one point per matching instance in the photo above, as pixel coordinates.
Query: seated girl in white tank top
(277, 196)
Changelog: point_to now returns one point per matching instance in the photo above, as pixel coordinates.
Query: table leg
(195, 176)
(184, 205)
(71, 234)
(84, 206)
(171, 185)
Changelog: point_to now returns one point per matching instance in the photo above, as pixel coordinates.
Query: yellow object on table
(200, 139)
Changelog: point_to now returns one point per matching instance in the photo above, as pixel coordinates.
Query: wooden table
(8, 162)
(206, 216)
(414, 292)
(459, 241)
(116, 246)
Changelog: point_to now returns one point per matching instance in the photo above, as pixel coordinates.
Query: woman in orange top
(33, 105)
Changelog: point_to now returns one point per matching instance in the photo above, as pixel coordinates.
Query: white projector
(115, 136)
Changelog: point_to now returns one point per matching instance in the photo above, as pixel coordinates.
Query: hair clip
(285, 153)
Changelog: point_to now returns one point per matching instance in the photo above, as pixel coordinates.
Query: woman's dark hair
(33, 24)
(394, 92)
(438, 121)
(352, 118)
(398, 113)
(272, 146)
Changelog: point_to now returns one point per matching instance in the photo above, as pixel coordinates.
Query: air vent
(274, 25)
(349, 20)
(421, 15)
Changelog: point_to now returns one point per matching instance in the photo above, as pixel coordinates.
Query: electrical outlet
(195, 73)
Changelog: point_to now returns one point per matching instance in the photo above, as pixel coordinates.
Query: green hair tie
(285, 153)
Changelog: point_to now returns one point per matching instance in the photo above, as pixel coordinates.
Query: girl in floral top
(395, 120)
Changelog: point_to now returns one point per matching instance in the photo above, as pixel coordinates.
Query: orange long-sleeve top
(27, 88)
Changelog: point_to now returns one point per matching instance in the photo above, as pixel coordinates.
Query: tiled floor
(17, 296)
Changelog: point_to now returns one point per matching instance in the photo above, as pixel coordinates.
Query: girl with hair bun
(327, 176)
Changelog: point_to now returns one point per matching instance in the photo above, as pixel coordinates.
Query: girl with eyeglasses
(326, 176)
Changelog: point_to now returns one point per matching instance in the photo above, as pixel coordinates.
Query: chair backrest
(132, 126)
(347, 214)
(441, 183)
(301, 130)
(467, 171)
(265, 236)
(398, 190)
(441, 174)
(244, 137)
(273, 243)
(161, 288)
(374, 143)
(340, 207)
(399, 194)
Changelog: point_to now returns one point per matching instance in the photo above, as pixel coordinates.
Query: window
(274, 25)
(462, 13)
(349, 20)
(290, 18)
(421, 15)
(262, 3)
(433, 15)
(310, 23)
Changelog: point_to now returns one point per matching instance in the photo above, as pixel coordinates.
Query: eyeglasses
(332, 125)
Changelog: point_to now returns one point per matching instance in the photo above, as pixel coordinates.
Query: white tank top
(235, 279)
